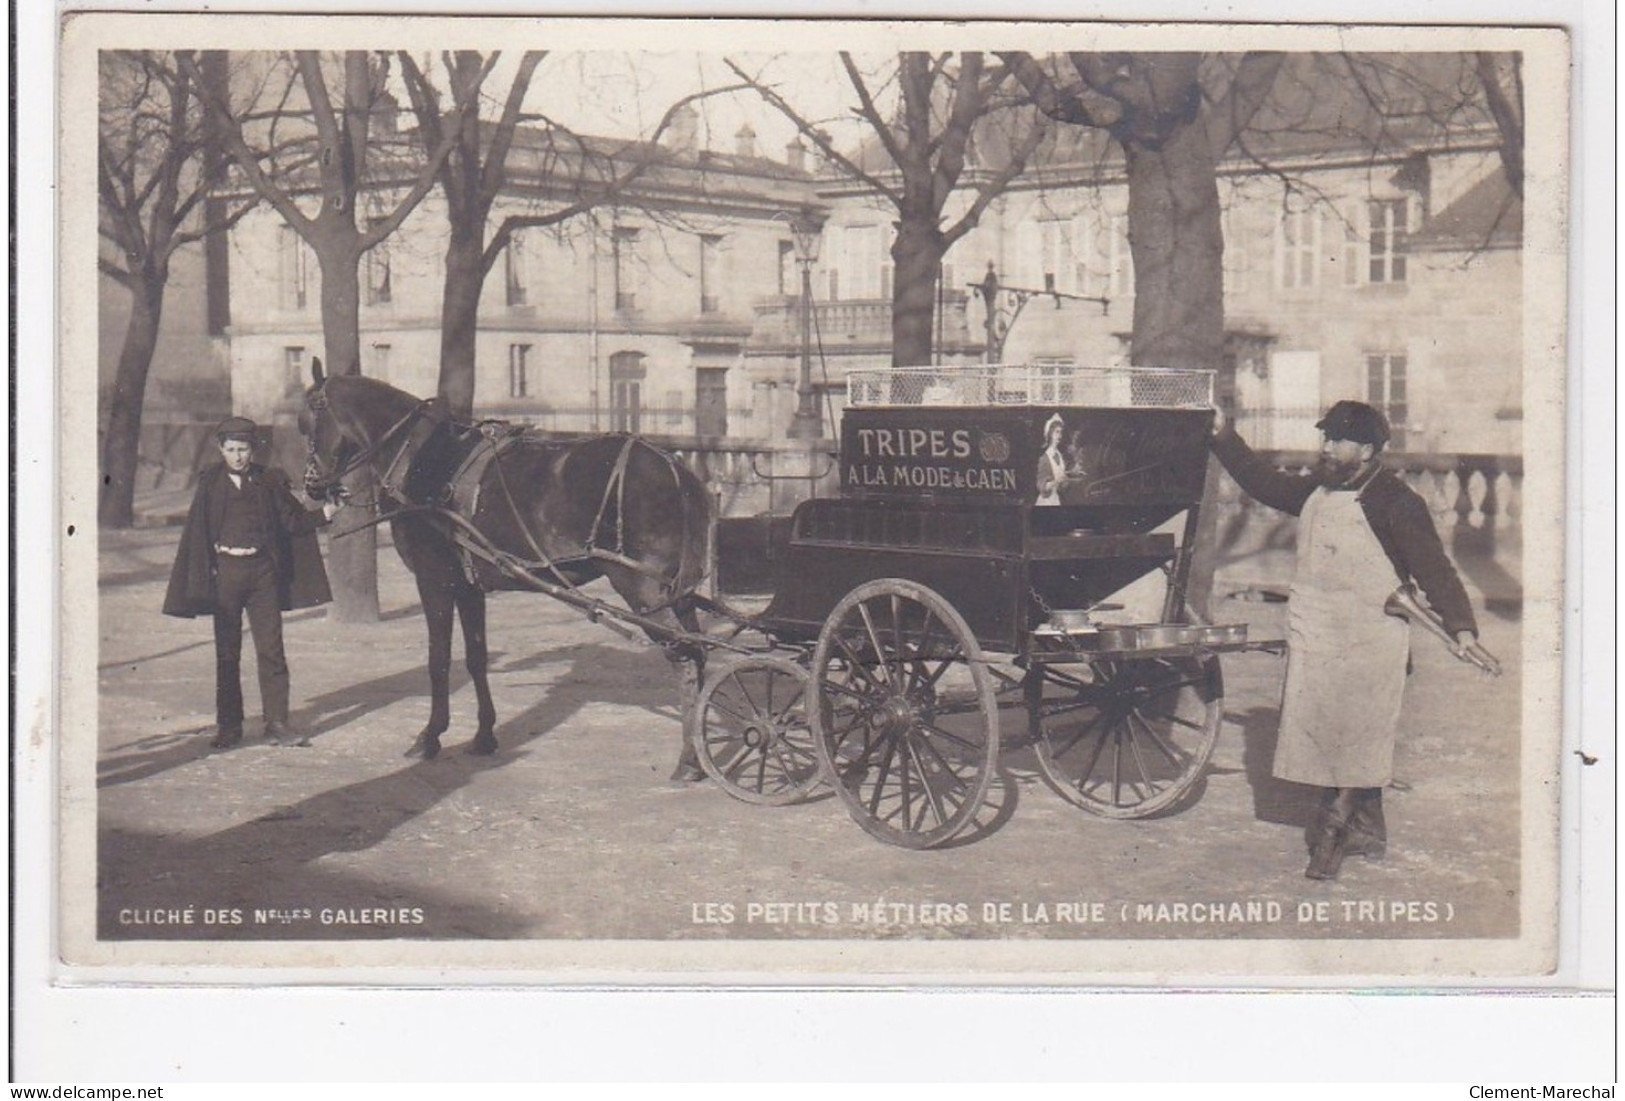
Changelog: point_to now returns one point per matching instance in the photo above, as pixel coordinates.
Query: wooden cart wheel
(1126, 738)
(906, 726)
(752, 734)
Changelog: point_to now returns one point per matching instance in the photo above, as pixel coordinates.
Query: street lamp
(1004, 305)
(806, 230)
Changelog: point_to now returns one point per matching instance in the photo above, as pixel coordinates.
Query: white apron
(1345, 670)
(1057, 466)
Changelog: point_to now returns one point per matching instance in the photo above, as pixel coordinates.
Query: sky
(624, 94)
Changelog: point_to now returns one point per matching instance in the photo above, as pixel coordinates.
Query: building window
(1297, 246)
(293, 371)
(378, 367)
(1390, 233)
(294, 276)
(789, 282)
(1387, 388)
(710, 273)
(1057, 268)
(1054, 377)
(518, 370)
(1100, 266)
(865, 258)
(626, 376)
(515, 277)
(625, 245)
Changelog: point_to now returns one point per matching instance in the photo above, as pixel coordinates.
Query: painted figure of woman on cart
(1051, 463)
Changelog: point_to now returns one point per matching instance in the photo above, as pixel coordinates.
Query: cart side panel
(972, 554)
(750, 553)
(1127, 469)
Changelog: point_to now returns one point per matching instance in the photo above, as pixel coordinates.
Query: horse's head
(328, 446)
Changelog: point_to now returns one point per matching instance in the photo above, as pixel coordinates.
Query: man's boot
(1368, 833)
(1317, 819)
(280, 733)
(1326, 856)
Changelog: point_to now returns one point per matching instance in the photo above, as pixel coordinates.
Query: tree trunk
(1177, 242)
(121, 448)
(917, 264)
(459, 322)
(352, 552)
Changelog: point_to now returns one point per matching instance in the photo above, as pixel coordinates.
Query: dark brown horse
(476, 508)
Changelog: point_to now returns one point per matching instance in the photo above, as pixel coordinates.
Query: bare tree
(154, 175)
(1172, 131)
(1385, 107)
(1501, 77)
(319, 152)
(580, 174)
(942, 100)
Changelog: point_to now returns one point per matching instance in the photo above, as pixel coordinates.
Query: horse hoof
(687, 774)
(427, 748)
(484, 745)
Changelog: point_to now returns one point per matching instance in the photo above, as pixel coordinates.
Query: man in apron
(1361, 533)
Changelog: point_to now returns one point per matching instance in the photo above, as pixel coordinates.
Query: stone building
(676, 310)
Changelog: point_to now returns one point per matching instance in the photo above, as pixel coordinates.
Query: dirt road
(573, 831)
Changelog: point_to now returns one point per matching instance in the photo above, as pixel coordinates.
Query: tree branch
(809, 131)
(1248, 91)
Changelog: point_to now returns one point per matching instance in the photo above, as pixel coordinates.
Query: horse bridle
(318, 403)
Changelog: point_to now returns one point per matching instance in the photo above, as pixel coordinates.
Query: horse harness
(455, 498)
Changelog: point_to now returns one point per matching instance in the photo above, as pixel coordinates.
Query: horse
(478, 508)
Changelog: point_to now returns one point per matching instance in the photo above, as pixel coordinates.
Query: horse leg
(438, 608)
(471, 611)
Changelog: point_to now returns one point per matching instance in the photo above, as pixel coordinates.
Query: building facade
(1392, 278)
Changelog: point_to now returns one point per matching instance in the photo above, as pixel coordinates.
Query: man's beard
(1333, 474)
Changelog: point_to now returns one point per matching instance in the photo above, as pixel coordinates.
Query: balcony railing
(849, 321)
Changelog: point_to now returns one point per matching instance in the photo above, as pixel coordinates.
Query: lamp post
(1004, 305)
(806, 231)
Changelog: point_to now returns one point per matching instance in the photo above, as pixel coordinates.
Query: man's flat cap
(1357, 421)
(235, 428)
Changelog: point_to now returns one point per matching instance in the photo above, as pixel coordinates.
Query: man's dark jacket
(1398, 517)
(301, 578)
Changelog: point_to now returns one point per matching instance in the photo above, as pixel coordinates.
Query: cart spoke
(1139, 759)
(881, 662)
(1078, 736)
(947, 765)
(928, 635)
(950, 736)
(1117, 766)
(932, 799)
(726, 708)
(1094, 758)
(1175, 758)
(856, 664)
(897, 646)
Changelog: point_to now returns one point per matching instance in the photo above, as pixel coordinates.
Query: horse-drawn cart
(986, 517)
(987, 520)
